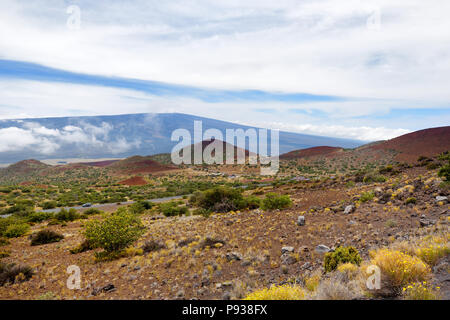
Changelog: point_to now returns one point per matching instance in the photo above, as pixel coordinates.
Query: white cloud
(321, 47)
(358, 133)
(35, 137)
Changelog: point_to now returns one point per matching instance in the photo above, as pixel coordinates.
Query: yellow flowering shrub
(400, 268)
(432, 249)
(283, 292)
(421, 291)
(349, 269)
(312, 281)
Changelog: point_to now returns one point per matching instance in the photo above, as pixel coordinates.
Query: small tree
(116, 232)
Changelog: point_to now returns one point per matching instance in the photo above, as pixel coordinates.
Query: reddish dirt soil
(134, 181)
(315, 151)
(138, 164)
(410, 146)
(100, 164)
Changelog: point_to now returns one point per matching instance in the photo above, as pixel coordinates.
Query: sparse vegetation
(340, 256)
(115, 233)
(45, 236)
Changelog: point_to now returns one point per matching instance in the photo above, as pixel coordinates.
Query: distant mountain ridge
(121, 136)
(406, 148)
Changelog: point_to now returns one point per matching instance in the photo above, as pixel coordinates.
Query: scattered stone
(226, 296)
(349, 209)
(425, 222)
(442, 199)
(180, 294)
(321, 248)
(234, 256)
(306, 266)
(107, 288)
(301, 221)
(288, 259)
(287, 250)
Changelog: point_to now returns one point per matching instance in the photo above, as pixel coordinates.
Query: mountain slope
(406, 148)
(122, 136)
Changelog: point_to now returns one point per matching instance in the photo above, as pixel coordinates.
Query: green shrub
(49, 205)
(115, 233)
(202, 212)
(366, 196)
(11, 273)
(445, 172)
(252, 202)
(219, 199)
(372, 178)
(82, 247)
(45, 236)
(39, 216)
(411, 200)
(16, 230)
(341, 255)
(92, 211)
(274, 201)
(171, 209)
(67, 215)
(3, 242)
(140, 206)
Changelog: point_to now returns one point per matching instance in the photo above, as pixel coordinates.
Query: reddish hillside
(206, 143)
(100, 164)
(139, 164)
(409, 147)
(134, 181)
(310, 152)
(26, 166)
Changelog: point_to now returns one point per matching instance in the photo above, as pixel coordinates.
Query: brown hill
(100, 164)
(406, 148)
(409, 147)
(26, 166)
(310, 152)
(206, 143)
(139, 164)
(134, 181)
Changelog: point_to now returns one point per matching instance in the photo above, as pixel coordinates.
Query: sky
(367, 70)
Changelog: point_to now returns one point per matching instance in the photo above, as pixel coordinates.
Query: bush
(202, 212)
(374, 178)
(82, 247)
(152, 245)
(115, 233)
(252, 202)
(432, 249)
(45, 236)
(341, 255)
(140, 206)
(171, 209)
(219, 199)
(11, 273)
(92, 211)
(411, 200)
(366, 196)
(67, 215)
(273, 201)
(3, 242)
(39, 216)
(16, 230)
(283, 292)
(445, 172)
(420, 291)
(399, 268)
(49, 205)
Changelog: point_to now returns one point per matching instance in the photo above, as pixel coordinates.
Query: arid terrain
(386, 200)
